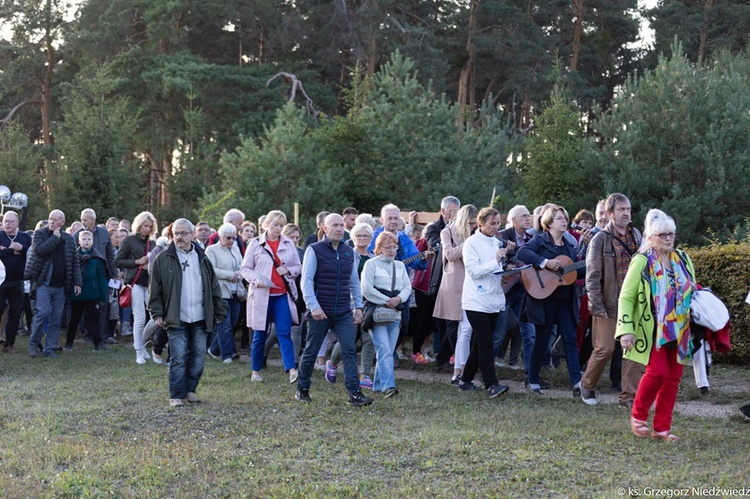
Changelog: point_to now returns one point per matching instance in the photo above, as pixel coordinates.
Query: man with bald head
(53, 265)
(14, 244)
(329, 284)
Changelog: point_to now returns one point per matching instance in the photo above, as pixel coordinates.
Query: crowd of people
(470, 290)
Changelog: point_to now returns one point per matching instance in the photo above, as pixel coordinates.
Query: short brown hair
(549, 215)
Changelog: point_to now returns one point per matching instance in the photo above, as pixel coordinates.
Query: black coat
(535, 252)
(40, 256)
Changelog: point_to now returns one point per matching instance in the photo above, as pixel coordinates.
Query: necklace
(12, 239)
(185, 263)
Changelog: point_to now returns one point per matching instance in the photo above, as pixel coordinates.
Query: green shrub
(725, 268)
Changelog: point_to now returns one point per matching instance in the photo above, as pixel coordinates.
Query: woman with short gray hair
(227, 260)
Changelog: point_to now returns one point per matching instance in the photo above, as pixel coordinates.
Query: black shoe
(577, 390)
(444, 368)
(264, 364)
(626, 404)
(455, 381)
(50, 354)
(391, 392)
(745, 411)
(69, 347)
(303, 395)
(704, 390)
(468, 387)
(544, 385)
(497, 389)
(357, 399)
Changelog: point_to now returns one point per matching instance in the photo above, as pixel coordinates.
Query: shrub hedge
(725, 268)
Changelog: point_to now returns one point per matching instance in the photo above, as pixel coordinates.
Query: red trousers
(660, 384)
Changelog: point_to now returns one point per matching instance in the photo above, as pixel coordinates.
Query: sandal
(664, 435)
(640, 428)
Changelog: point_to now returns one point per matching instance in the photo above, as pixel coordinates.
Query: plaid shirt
(622, 255)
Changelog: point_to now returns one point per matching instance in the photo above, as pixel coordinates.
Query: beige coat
(226, 262)
(448, 301)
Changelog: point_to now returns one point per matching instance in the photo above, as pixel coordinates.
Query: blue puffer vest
(332, 276)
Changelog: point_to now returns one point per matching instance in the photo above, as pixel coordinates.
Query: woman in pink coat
(270, 265)
(448, 301)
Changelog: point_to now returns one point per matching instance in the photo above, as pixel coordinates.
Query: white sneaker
(401, 354)
(227, 361)
(256, 377)
(499, 363)
(146, 356)
(140, 360)
(157, 358)
(320, 367)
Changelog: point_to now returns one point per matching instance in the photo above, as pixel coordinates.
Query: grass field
(95, 424)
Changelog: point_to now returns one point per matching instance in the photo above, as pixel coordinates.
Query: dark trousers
(481, 355)
(425, 324)
(12, 291)
(449, 334)
(89, 309)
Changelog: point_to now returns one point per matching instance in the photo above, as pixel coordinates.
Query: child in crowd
(94, 292)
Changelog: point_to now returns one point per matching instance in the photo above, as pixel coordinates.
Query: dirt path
(704, 408)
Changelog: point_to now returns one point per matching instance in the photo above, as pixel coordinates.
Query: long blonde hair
(461, 222)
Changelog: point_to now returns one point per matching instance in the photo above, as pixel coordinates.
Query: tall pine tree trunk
(578, 6)
(46, 100)
(707, 6)
(467, 71)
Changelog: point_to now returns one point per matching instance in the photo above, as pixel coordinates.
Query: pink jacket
(257, 262)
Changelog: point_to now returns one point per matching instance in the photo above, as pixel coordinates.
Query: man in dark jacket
(185, 300)
(518, 236)
(329, 284)
(14, 245)
(53, 265)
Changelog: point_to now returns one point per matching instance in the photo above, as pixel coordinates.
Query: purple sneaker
(366, 383)
(330, 372)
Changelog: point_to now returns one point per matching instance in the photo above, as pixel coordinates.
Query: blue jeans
(384, 338)
(556, 313)
(514, 300)
(278, 308)
(345, 331)
(223, 337)
(49, 305)
(187, 356)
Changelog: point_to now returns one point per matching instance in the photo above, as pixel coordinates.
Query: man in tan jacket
(607, 261)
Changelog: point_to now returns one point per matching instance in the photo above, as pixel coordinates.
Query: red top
(275, 277)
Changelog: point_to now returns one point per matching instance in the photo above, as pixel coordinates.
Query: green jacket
(634, 307)
(165, 285)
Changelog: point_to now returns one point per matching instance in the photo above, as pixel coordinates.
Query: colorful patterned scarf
(672, 304)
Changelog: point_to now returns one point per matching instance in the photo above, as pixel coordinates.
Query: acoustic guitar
(542, 283)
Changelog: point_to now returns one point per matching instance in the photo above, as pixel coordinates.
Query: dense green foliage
(677, 139)
(188, 125)
(724, 269)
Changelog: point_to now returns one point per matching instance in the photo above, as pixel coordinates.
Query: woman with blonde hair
(653, 323)
(385, 282)
(270, 266)
(133, 256)
(448, 301)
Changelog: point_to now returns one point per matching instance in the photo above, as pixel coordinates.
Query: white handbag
(708, 310)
